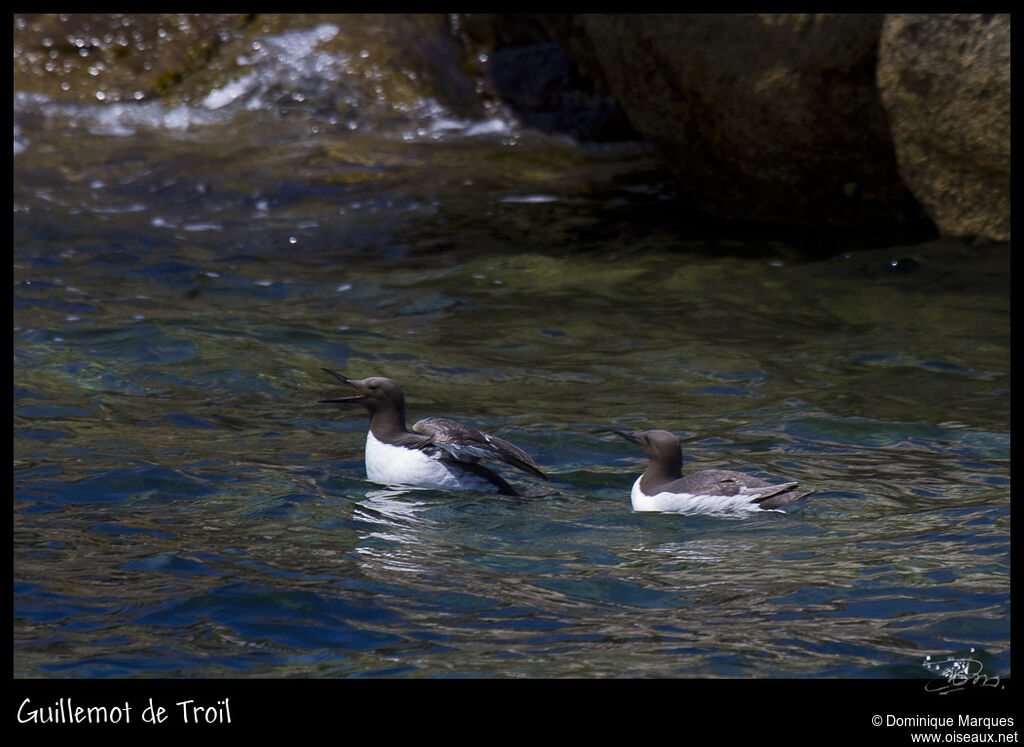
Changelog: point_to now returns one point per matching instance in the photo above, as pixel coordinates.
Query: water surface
(184, 508)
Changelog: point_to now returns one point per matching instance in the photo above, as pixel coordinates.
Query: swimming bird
(437, 452)
(662, 486)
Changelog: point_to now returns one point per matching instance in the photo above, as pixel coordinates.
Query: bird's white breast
(397, 465)
(690, 502)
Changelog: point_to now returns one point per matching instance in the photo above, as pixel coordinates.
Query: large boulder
(762, 117)
(945, 82)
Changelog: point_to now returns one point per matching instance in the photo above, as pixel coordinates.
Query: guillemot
(662, 486)
(438, 453)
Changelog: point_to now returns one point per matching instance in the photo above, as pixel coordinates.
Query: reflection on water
(183, 507)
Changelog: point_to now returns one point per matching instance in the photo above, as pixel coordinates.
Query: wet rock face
(392, 61)
(945, 83)
(763, 117)
(112, 57)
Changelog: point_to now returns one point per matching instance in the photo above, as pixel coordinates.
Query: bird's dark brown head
(656, 444)
(375, 393)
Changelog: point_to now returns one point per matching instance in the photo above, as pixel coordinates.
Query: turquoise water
(184, 508)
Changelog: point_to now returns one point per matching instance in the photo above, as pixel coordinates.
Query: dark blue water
(184, 508)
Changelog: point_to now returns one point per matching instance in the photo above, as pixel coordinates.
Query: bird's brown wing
(466, 443)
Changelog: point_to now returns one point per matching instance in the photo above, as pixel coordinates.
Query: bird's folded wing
(466, 443)
(759, 494)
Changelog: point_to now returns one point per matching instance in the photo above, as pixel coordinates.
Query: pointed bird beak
(348, 382)
(628, 436)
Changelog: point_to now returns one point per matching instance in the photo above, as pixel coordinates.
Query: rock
(762, 117)
(395, 63)
(800, 119)
(527, 68)
(945, 83)
(111, 57)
